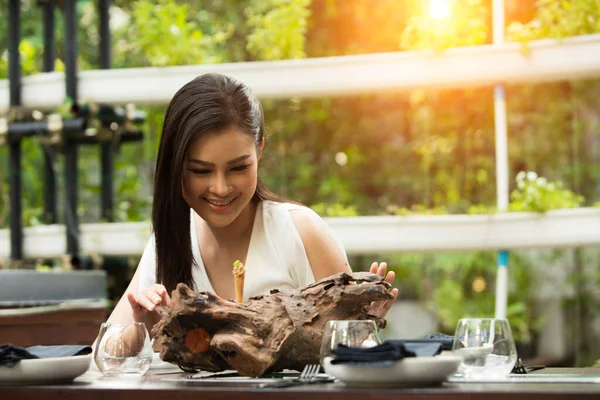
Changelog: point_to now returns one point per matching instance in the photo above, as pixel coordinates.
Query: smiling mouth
(219, 203)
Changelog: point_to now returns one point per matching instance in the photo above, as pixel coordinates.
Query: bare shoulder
(324, 254)
(306, 221)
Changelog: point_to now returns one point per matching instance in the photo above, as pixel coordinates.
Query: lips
(219, 205)
(216, 202)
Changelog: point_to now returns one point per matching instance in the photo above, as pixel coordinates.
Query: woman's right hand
(148, 301)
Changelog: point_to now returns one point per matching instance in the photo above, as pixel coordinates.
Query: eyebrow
(235, 160)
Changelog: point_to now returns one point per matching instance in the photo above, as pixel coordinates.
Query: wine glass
(123, 350)
(486, 346)
(352, 333)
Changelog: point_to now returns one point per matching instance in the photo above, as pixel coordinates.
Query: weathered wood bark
(282, 330)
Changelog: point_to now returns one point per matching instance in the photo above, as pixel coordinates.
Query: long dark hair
(211, 102)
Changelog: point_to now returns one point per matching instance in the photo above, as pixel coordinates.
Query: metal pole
(105, 47)
(48, 8)
(71, 49)
(50, 205)
(106, 148)
(71, 218)
(14, 74)
(501, 163)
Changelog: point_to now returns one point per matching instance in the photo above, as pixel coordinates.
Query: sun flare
(439, 9)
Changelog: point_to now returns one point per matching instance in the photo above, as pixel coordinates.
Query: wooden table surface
(167, 386)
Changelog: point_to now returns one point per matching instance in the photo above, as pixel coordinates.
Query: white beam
(360, 235)
(502, 169)
(548, 60)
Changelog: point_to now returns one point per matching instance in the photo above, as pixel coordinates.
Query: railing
(360, 235)
(487, 65)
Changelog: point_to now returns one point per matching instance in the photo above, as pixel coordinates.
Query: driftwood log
(281, 330)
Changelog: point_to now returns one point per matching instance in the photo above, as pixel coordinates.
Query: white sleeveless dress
(276, 256)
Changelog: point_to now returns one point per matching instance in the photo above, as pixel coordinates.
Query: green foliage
(334, 210)
(558, 19)
(425, 151)
(278, 28)
(456, 285)
(535, 193)
(145, 33)
(29, 52)
(165, 26)
(416, 209)
(481, 209)
(165, 34)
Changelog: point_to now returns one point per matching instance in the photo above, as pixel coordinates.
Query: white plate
(157, 363)
(408, 372)
(45, 370)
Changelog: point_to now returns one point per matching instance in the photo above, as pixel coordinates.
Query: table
(51, 325)
(162, 386)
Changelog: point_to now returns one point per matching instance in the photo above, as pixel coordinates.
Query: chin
(218, 222)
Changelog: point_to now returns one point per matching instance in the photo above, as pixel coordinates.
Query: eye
(200, 171)
(240, 168)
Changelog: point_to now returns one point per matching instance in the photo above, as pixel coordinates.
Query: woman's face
(220, 175)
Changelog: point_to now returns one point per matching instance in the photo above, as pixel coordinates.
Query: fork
(309, 372)
(308, 376)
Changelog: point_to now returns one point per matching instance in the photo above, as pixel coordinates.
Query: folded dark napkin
(10, 355)
(390, 350)
(445, 340)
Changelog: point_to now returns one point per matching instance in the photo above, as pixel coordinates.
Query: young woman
(210, 208)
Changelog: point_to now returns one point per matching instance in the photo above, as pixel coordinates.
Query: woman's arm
(139, 305)
(324, 254)
(326, 258)
(124, 314)
(140, 308)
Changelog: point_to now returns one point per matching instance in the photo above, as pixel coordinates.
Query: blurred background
(407, 153)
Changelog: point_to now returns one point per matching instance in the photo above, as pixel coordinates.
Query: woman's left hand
(380, 308)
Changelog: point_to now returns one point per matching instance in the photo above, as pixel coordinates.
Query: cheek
(192, 185)
(249, 181)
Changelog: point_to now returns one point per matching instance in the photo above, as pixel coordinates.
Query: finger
(146, 300)
(389, 278)
(164, 295)
(156, 294)
(133, 301)
(374, 267)
(388, 304)
(153, 298)
(147, 303)
(159, 289)
(382, 268)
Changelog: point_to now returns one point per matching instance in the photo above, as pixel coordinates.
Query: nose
(220, 185)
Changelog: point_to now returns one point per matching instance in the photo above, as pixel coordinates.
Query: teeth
(219, 202)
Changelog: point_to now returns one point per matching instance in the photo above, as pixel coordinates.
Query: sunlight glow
(439, 9)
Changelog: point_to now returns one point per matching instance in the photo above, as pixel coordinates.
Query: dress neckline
(199, 274)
